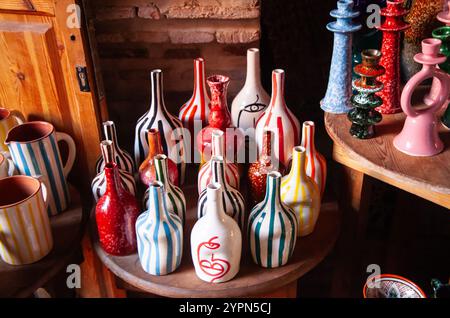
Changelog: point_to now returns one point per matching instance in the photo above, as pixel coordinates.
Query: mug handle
(44, 190)
(72, 151)
(18, 116)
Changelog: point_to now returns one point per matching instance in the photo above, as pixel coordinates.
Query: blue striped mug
(34, 151)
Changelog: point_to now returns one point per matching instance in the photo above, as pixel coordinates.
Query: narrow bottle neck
(308, 133)
(253, 77)
(298, 169)
(273, 190)
(110, 132)
(218, 173)
(277, 100)
(108, 153)
(266, 153)
(157, 95)
(217, 143)
(157, 205)
(215, 209)
(200, 89)
(113, 186)
(161, 169)
(154, 144)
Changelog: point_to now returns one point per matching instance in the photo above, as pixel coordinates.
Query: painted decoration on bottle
(252, 100)
(175, 199)
(316, 165)
(216, 241)
(159, 235)
(169, 127)
(122, 158)
(280, 121)
(232, 199)
(301, 193)
(231, 170)
(99, 183)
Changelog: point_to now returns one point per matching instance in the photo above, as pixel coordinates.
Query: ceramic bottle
(147, 172)
(195, 112)
(174, 196)
(219, 118)
(280, 121)
(169, 127)
(231, 170)
(301, 193)
(419, 136)
(122, 158)
(364, 116)
(339, 90)
(99, 183)
(216, 241)
(116, 213)
(252, 100)
(233, 201)
(272, 227)
(159, 235)
(316, 165)
(258, 170)
(392, 29)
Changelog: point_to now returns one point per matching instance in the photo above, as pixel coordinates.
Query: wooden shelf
(23, 280)
(251, 280)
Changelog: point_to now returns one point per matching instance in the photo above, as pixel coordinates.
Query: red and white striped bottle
(280, 121)
(316, 165)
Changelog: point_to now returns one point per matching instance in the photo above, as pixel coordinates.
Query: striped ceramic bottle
(232, 199)
(316, 165)
(160, 235)
(122, 158)
(216, 241)
(98, 184)
(169, 127)
(231, 169)
(196, 109)
(280, 120)
(301, 193)
(272, 227)
(175, 199)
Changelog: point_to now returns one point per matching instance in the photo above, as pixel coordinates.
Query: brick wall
(136, 36)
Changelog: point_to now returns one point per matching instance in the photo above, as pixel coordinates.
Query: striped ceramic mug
(34, 150)
(8, 120)
(25, 234)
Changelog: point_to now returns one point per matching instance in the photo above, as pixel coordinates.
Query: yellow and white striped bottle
(301, 193)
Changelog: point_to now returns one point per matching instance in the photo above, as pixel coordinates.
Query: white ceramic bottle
(216, 241)
(252, 100)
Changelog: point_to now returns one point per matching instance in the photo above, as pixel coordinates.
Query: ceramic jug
(419, 136)
(216, 241)
(116, 213)
(301, 193)
(25, 233)
(316, 165)
(126, 179)
(232, 200)
(169, 127)
(160, 234)
(272, 227)
(252, 100)
(231, 170)
(121, 157)
(175, 200)
(8, 119)
(280, 121)
(7, 168)
(35, 152)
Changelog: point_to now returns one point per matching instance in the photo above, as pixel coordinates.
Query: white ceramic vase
(252, 100)
(216, 241)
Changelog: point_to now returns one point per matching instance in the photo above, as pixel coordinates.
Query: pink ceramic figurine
(419, 136)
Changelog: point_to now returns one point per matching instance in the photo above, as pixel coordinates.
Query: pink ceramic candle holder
(419, 136)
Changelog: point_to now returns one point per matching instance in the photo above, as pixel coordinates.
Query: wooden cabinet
(46, 73)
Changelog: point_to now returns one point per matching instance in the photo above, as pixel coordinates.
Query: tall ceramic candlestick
(339, 90)
(392, 27)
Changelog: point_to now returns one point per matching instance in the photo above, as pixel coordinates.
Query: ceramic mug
(8, 120)
(7, 167)
(34, 150)
(25, 233)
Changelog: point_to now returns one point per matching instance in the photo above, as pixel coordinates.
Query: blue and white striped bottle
(272, 227)
(233, 201)
(159, 235)
(175, 199)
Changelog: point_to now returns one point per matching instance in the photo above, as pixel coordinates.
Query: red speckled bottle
(116, 213)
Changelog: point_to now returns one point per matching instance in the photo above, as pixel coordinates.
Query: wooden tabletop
(251, 280)
(23, 280)
(427, 177)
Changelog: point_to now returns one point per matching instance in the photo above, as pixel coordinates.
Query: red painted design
(214, 267)
(390, 60)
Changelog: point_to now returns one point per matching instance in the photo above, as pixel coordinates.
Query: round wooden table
(251, 280)
(67, 230)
